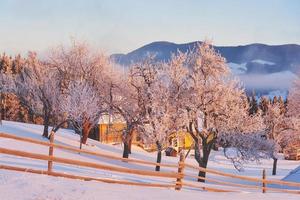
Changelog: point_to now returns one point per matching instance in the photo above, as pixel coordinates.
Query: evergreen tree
(282, 105)
(11, 107)
(263, 104)
(5, 64)
(275, 100)
(286, 102)
(253, 107)
(248, 100)
(17, 63)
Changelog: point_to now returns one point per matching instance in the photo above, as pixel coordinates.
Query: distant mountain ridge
(284, 57)
(244, 60)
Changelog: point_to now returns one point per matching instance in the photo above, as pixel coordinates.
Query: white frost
(263, 62)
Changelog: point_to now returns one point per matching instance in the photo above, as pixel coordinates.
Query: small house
(110, 130)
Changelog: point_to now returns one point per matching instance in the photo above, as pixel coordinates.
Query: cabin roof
(110, 119)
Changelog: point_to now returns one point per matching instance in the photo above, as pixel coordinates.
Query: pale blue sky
(124, 25)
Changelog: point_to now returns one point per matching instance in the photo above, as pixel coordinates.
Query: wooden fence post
(263, 181)
(51, 148)
(178, 185)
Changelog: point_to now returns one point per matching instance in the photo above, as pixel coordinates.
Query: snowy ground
(23, 186)
(18, 185)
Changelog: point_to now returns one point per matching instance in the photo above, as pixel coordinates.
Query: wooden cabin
(110, 131)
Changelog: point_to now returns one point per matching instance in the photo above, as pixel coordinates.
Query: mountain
(261, 67)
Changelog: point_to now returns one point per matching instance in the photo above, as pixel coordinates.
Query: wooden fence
(178, 176)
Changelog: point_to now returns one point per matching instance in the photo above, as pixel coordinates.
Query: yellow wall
(188, 140)
(184, 140)
(111, 133)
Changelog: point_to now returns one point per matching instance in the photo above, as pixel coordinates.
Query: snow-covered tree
(276, 123)
(123, 99)
(216, 101)
(294, 99)
(282, 105)
(264, 102)
(81, 103)
(147, 79)
(167, 112)
(241, 148)
(280, 125)
(10, 106)
(79, 63)
(176, 79)
(4, 86)
(292, 119)
(253, 107)
(246, 136)
(37, 88)
(6, 64)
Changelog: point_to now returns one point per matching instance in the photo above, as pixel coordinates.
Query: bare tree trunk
(2, 107)
(46, 123)
(206, 149)
(274, 166)
(202, 159)
(87, 126)
(126, 150)
(207, 146)
(130, 145)
(158, 159)
(203, 164)
(30, 116)
(126, 141)
(78, 130)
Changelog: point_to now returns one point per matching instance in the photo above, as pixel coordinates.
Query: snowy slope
(293, 175)
(23, 186)
(31, 186)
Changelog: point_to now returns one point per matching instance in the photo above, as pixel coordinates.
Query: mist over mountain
(263, 68)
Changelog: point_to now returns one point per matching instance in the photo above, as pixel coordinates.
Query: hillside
(260, 58)
(20, 185)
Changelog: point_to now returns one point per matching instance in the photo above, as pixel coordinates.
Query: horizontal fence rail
(14, 137)
(224, 174)
(88, 164)
(179, 177)
(85, 178)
